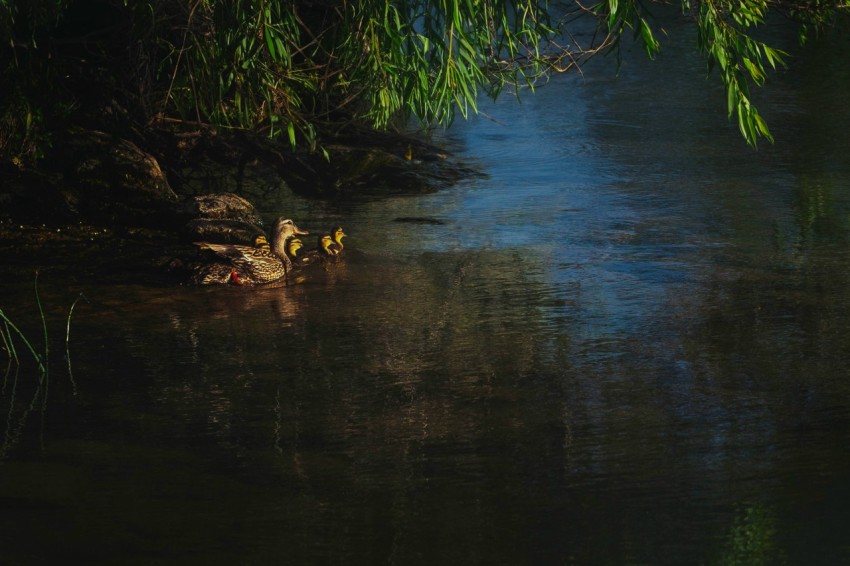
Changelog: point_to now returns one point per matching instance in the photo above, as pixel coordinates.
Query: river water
(626, 343)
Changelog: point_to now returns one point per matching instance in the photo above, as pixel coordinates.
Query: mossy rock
(110, 180)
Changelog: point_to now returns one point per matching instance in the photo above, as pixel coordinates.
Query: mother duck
(246, 265)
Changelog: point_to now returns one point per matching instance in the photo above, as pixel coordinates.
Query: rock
(110, 180)
(31, 197)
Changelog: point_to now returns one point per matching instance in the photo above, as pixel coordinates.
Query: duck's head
(292, 246)
(285, 228)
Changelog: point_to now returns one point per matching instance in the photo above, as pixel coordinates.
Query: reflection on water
(626, 344)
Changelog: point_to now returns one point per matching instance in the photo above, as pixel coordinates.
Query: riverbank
(99, 200)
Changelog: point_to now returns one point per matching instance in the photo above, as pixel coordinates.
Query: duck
(292, 247)
(246, 265)
(261, 242)
(221, 231)
(337, 234)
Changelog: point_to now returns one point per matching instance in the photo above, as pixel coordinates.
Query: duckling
(299, 258)
(327, 247)
(261, 243)
(337, 235)
(250, 265)
(292, 247)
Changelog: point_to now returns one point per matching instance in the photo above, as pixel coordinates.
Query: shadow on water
(625, 345)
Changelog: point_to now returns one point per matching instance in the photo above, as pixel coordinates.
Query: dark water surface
(627, 345)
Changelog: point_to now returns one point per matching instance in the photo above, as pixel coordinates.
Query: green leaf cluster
(292, 67)
(621, 15)
(724, 36)
(288, 66)
(432, 59)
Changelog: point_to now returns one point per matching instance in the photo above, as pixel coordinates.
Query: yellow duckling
(337, 235)
(292, 247)
(260, 242)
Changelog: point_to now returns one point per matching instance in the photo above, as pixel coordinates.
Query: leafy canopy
(288, 67)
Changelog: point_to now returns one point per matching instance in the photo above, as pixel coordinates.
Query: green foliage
(815, 15)
(723, 36)
(287, 68)
(18, 348)
(752, 539)
(27, 76)
(282, 66)
(10, 333)
(619, 16)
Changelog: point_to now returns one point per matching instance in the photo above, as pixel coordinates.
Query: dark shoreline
(101, 203)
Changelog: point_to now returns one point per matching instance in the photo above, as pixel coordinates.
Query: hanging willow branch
(285, 66)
